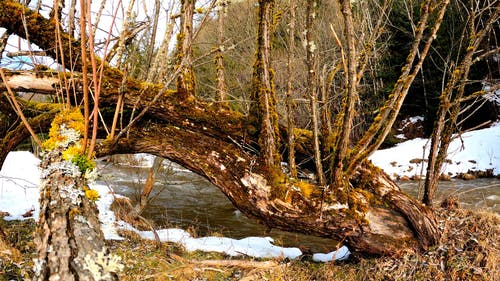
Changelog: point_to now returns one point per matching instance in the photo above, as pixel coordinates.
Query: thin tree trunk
(83, 50)
(449, 107)
(290, 107)
(312, 89)
(351, 96)
(71, 18)
(219, 56)
(263, 95)
(381, 126)
(3, 41)
(123, 36)
(186, 79)
(325, 113)
(160, 65)
(98, 16)
(152, 41)
(148, 185)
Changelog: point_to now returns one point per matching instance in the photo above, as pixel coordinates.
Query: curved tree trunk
(380, 219)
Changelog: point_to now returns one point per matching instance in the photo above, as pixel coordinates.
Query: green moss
(306, 188)
(279, 191)
(83, 162)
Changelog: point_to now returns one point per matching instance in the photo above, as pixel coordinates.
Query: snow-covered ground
(476, 151)
(19, 181)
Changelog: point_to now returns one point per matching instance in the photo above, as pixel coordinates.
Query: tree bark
(68, 238)
(378, 218)
(312, 88)
(379, 230)
(219, 56)
(346, 115)
(450, 103)
(13, 132)
(185, 81)
(263, 93)
(290, 88)
(70, 244)
(148, 186)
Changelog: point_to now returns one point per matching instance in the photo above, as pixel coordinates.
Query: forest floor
(469, 250)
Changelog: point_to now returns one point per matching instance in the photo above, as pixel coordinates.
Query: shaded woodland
(316, 85)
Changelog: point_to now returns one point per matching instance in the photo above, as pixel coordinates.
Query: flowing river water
(184, 199)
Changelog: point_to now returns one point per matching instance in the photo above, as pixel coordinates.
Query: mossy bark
(13, 132)
(263, 108)
(219, 55)
(186, 80)
(450, 105)
(376, 217)
(338, 163)
(70, 244)
(379, 218)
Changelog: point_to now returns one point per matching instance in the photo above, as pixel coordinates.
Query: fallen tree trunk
(377, 218)
(14, 132)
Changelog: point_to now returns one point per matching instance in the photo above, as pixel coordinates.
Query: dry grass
(18, 251)
(469, 250)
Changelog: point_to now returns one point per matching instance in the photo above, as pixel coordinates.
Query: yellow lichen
(92, 194)
(69, 119)
(71, 152)
(73, 119)
(73, 212)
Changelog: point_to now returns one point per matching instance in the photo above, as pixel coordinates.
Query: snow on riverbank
(19, 181)
(19, 194)
(475, 151)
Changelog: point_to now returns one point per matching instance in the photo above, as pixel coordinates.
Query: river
(184, 199)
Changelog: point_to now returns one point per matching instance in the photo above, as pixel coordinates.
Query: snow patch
(475, 151)
(340, 254)
(19, 185)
